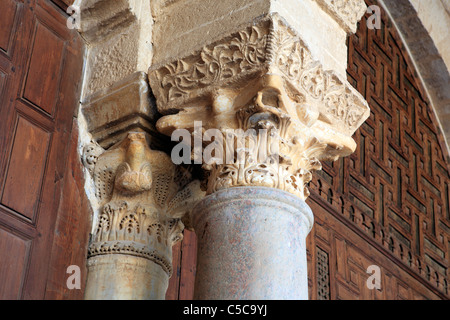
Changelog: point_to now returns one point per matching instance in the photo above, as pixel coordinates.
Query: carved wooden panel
(40, 70)
(12, 265)
(350, 257)
(323, 275)
(395, 188)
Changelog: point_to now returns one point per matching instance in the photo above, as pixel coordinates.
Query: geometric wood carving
(395, 187)
(323, 275)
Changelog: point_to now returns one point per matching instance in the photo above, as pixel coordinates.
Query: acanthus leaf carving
(264, 77)
(144, 199)
(242, 52)
(335, 99)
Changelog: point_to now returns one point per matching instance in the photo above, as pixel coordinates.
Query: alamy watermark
(74, 21)
(374, 281)
(374, 21)
(74, 280)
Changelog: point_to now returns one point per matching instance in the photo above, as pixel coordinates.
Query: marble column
(125, 277)
(274, 69)
(264, 100)
(143, 198)
(251, 245)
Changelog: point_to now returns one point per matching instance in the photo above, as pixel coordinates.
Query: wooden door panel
(9, 10)
(3, 78)
(12, 266)
(43, 76)
(26, 169)
(42, 62)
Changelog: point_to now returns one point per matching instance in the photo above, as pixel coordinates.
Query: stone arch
(430, 59)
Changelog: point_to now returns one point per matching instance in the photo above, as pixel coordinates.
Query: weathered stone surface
(119, 36)
(435, 17)
(183, 26)
(346, 12)
(143, 198)
(251, 245)
(114, 111)
(125, 277)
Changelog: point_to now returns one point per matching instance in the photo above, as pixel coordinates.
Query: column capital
(262, 77)
(143, 198)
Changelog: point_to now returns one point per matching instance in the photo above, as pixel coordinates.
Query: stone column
(138, 196)
(143, 198)
(251, 245)
(264, 104)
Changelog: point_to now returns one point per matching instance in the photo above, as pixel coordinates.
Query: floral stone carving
(264, 79)
(346, 12)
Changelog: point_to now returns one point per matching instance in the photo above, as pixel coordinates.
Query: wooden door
(40, 70)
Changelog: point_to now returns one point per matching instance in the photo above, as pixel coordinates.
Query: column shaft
(125, 277)
(251, 245)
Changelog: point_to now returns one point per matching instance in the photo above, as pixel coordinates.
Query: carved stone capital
(347, 13)
(261, 78)
(143, 200)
